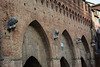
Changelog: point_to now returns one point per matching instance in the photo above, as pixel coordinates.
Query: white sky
(94, 1)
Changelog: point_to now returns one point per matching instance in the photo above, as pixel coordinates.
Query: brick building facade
(32, 42)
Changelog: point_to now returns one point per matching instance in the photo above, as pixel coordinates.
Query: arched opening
(70, 10)
(75, 14)
(55, 1)
(36, 44)
(32, 62)
(68, 38)
(83, 62)
(66, 8)
(63, 62)
(67, 48)
(84, 41)
(59, 4)
(63, 9)
(84, 51)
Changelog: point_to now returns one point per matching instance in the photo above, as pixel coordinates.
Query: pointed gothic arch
(32, 62)
(85, 51)
(68, 37)
(63, 62)
(68, 47)
(84, 41)
(83, 63)
(36, 44)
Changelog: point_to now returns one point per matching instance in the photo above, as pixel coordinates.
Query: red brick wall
(29, 10)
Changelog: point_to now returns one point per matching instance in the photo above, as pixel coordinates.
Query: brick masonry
(51, 15)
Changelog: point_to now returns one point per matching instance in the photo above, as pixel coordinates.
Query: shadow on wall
(32, 62)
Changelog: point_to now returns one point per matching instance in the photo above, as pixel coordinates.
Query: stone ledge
(10, 59)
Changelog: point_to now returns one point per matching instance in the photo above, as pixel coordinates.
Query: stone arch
(75, 14)
(84, 18)
(67, 48)
(84, 51)
(51, 0)
(42, 1)
(55, 1)
(55, 4)
(66, 8)
(32, 62)
(68, 37)
(63, 6)
(70, 15)
(70, 10)
(63, 62)
(78, 15)
(74, 1)
(83, 63)
(87, 20)
(36, 44)
(59, 4)
(84, 41)
(63, 9)
(47, 2)
(52, 5)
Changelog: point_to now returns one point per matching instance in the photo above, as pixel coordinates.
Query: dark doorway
(32, 62)
(64, 62)
(83, 62)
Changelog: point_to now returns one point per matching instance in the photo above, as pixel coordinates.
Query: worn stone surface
(50, 18)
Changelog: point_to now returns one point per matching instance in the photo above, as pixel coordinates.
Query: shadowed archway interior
(83, 62)
(86, 51)
(32, 62)
(64, 63)
(84, 41)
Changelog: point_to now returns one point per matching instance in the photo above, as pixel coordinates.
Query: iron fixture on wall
(78, 40)
(62, 46)
(93, 43)
(0, 36)
(55, 34)
(11, 23)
